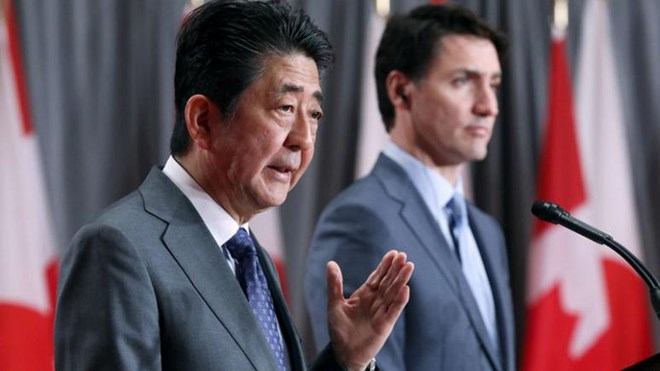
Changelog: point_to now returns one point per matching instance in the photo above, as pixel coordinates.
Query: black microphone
(553, 213)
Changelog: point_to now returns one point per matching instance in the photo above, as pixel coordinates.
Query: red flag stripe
(560, 172)
(27, 300)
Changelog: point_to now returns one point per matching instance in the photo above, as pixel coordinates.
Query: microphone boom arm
(552, 213)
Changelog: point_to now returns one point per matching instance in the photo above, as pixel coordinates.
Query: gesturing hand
(359, 325)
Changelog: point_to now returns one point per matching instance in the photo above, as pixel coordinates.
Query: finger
(395, 300)
(396, 307)
(401, 280)
(335, 283)
(396, 277)
(388, 314)
(377, 275)
(388, 294)
(394, 269)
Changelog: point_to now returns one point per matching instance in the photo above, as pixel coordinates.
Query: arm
(107, 316)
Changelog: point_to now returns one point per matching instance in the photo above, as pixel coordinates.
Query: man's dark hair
(223, 45)
(411, 42)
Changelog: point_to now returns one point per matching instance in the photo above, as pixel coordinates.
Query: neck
(210, 186)
(451, 172)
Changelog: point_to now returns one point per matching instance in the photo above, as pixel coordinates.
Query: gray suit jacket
(440, 328)
(145, 287)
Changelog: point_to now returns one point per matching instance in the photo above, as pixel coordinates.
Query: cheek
(263, 146)
(307, 156)
(305, 159)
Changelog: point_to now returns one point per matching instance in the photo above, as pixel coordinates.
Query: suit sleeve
(107, 314)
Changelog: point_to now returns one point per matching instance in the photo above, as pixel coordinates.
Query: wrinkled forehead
(291, 74)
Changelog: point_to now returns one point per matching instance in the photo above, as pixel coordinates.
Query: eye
(461, 81)
(287, 108)
(316, 115)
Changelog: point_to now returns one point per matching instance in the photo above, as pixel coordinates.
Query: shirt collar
(221, 225)
(434, 188)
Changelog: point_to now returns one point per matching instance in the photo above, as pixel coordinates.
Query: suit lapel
(498, 282)
(421, 222)
(419, 219)
(196, 252)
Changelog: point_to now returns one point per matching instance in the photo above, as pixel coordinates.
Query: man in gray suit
(170, 277)
(437, 74)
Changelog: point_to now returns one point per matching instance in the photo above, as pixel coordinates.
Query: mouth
(282, 169)
(478, 130)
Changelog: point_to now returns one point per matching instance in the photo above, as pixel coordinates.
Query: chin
(479, 155)
(271, 200)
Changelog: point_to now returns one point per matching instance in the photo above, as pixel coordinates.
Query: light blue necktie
(472, 264)
(252, 280)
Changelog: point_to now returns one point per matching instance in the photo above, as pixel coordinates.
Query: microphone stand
(651, 281)
(553, 213)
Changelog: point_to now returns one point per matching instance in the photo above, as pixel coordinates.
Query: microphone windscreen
(548, 211)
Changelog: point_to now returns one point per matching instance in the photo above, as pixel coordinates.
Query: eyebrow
(472, 72)
(288, 88)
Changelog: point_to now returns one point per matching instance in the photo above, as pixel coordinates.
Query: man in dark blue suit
(169, 277)
(437, 75)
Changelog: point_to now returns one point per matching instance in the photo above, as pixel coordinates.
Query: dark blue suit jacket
(440, 328)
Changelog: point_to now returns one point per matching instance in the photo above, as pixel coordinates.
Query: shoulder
(387, 185)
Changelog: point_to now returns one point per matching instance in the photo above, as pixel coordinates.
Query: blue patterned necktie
(455, 214)
(252, 280)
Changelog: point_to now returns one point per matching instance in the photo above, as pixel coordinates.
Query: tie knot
(454, 208)
(240, 245)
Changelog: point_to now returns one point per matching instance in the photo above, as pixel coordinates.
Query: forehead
(466, 52)
(296, 74)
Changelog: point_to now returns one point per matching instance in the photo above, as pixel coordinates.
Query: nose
(301, 136)
(486, 104)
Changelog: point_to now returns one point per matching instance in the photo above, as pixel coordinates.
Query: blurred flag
(372, 135)
(28, 267)
(587, 309)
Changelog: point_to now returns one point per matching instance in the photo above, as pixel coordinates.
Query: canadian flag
(372, 135)
(587, 309)
(28, 265)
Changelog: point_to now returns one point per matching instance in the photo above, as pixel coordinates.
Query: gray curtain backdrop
(100, 77)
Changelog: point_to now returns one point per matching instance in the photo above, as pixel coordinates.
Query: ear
(200, 114)
(398, 85)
